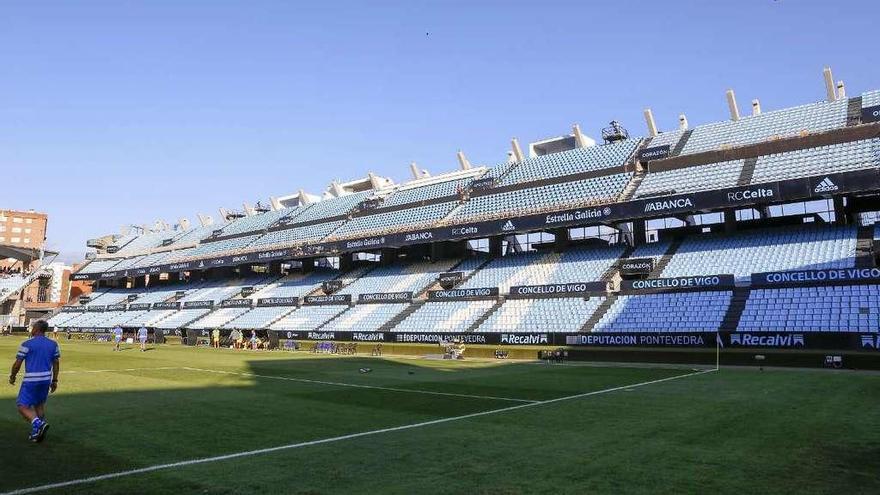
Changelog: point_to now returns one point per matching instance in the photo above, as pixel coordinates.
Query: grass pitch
(732, 431)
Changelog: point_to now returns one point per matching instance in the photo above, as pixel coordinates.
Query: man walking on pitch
(117, 337)
(142, 338)
(215, 336)
(40, 356)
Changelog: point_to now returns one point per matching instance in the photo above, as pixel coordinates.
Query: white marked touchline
(354, 385)
(64, 372)
(249, 453)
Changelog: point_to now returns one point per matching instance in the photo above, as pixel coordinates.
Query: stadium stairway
(422, 294)
(603, 308)
(475, 271)
(280, 316)
(25, 281)
(182, 325)
(322, 325)
(506, 172)
(735, 310)
(353, 275)
(854, 111)
(611, 274)
(865, 247)
(498, 303)
(666, 258)
(632, 186)
(393, 322)
(747, 172)
(682, 141)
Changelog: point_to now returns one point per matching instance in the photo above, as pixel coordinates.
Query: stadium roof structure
(23, 253)
(818, 150)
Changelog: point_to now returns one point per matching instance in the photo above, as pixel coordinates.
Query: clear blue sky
(117, 112)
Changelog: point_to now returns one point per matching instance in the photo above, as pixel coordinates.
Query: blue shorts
(117, 338)
(142, 339)
(33, 394)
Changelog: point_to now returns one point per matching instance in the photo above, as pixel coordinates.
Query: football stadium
(665, 305)
(625, 307)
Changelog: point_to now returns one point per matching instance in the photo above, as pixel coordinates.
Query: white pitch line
(122, 369)
(204, 460)
(354, 385)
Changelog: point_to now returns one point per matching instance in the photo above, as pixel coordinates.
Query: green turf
(735, 431)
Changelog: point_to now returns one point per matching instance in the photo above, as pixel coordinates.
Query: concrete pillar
(437, 250)
(374, 181)
(308, 265)
(388, 256)
(562, 238)
(455, 249)
(346, 262)
(731, 105)
(639, 229)
(682, 122)
(729, 221)
(495, 246)
(579, 138)
(463, 162)
(649, 120)
(829, 84)
(840, 211)
(517, 151)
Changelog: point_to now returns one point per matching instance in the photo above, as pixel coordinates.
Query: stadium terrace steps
(259, 317)
(682, 142)
(854, 111)
(614, 268)
(322, 325)
(482, 319)
(422, 294)
(666, 258)
(865, 247)
(475, 271)
(397, 319)
(735, 310)
(630, 190)
(747, 172)
(347, 278)
(838, 136)
(182, 318)
(600, 312)
(500, 177)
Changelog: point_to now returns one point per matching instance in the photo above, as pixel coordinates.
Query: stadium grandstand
(755, 232)
(32, 284)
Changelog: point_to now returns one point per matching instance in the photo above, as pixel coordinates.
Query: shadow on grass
(128, 420)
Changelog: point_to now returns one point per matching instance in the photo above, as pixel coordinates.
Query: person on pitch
(41, 357)
(142, 338)
(117, 337)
